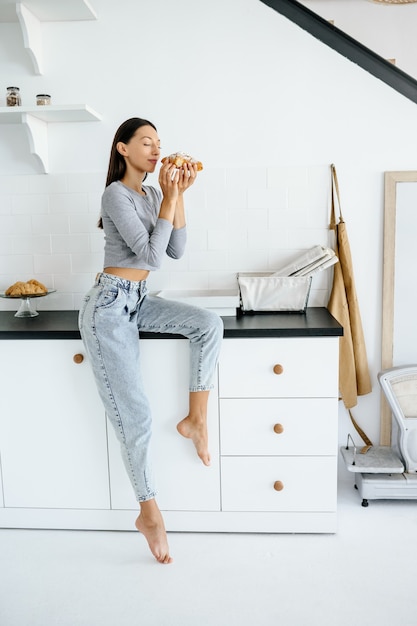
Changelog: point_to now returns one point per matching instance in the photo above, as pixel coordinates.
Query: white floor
(363, 575)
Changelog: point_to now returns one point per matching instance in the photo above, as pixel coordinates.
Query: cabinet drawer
(300, 426)
(308, 483)
(304, 367)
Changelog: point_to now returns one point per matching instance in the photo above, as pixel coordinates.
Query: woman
(141, 224)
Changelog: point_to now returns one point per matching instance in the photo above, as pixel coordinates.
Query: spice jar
(43, 99)
(13, 97)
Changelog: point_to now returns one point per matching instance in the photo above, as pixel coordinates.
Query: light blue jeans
(113, 313)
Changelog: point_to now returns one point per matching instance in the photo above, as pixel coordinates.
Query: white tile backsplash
(69, 203)
(239, 219)
(34, 244)
(28, 204)
(51, 264)
(49, 224)
(71, 244)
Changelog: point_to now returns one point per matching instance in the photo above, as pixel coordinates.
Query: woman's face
(143, 150)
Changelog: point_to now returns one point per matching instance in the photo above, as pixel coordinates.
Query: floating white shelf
(36, 120)
(31, 13)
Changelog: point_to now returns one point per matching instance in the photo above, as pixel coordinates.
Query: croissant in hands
(179, 158)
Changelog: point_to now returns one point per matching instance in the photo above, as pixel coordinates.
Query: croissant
(30, 288)
(179, 158)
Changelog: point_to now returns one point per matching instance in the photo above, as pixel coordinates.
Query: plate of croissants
(25, 291)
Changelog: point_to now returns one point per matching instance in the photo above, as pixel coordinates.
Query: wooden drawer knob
(278, 485)
(78, 358)
(278, 428)
(278, 369)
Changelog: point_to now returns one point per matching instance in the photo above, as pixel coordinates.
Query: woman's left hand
(187, 175)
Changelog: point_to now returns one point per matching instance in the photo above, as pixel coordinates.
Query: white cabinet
(184, 483)
(272, 431)
(53, 443)
(278, 416)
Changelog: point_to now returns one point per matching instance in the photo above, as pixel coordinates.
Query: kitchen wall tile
(86, 263)
(248, 260)
(262, 239)
(69, 203)
(94, 203)
(5, 204)
(28, 204)
(263, 198)
(217, 199)
(35, 244)
(249, 218)
(196, 195)
(86, 182)
(283, 220)
(188, 281)
(223, 240)
(86, 223)
(208, 260)
(52, 263)
(197, 239)
(56, 302)
(299, 197)
(236, 197)
(70, 244)
(222, 280)
(97, 241)
(17, 266)
(161, 280)
(15, 225)
(50, 224)
(212, 217)
(176, 265)
(243, 176)
(73, 283)
(51, 183)
(286, 176)
(237, 237)
(307, 237)
(6, 245)
(14, 184)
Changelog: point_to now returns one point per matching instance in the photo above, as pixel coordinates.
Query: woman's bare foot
(196, 430)
(151, 525)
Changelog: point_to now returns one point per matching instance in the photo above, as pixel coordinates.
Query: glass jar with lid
(13, 97)
(43, 99)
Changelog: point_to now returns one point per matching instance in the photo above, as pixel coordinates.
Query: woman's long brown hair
(117, 163)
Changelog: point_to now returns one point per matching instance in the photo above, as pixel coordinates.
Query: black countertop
(315, 322)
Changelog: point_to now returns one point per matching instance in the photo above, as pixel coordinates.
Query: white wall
(263, 104)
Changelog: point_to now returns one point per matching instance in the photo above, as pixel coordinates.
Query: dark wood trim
(346, 45)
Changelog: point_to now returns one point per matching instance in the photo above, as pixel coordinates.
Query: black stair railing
(347, 46)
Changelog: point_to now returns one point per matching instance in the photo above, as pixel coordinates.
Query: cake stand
(25, 308)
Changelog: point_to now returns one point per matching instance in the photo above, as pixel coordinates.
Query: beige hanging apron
(354, 378)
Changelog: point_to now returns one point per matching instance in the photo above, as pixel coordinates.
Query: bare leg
(151, 525)
(194, 426)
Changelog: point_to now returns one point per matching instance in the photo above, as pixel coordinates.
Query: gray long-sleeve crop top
(134, 234)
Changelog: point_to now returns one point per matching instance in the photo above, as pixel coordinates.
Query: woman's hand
(173, 183)
(169, 181)
(187, 176)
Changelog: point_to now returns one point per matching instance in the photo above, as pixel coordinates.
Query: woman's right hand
(168, 180)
